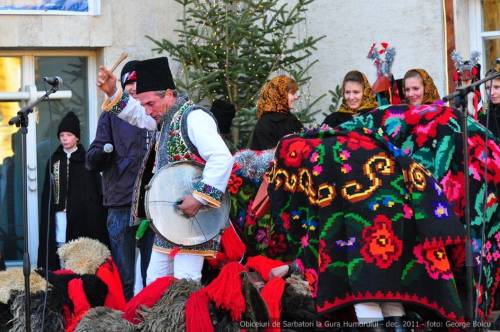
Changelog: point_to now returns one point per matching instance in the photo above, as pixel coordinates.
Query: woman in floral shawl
(419, 88)
(273, 111)
(367, 225)
(357, 97)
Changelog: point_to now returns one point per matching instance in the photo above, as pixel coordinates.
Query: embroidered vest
(174, 145)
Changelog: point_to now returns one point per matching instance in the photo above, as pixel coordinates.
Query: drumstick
(122, 57)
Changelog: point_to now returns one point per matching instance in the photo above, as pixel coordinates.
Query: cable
(51, 184)
(485, 198)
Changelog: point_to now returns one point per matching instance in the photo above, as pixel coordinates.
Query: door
(20, 83)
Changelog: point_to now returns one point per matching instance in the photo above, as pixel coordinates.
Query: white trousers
(181, 266)
(369, 312)
(138, 278)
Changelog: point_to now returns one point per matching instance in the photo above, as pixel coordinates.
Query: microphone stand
(461, 95)
(21, 120)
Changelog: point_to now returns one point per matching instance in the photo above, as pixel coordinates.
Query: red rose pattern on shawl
(382, 246)
(347, 229)
(432, 136)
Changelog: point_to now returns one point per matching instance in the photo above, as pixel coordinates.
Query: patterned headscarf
(367, 102)
(431, 93)
(274, 95)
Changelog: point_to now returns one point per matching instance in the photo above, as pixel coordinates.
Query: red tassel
(233, 246)
(108, 273)
(272, 293)
(263, 265)
(225, 290)
(147, 297)
(197, 315)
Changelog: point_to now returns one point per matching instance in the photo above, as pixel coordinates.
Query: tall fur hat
(83, 255)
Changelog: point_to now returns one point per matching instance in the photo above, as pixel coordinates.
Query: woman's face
(495, 91)
(353, 94)
(292, 98)
(414, 90)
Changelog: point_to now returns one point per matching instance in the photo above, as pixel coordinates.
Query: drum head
(166, 190)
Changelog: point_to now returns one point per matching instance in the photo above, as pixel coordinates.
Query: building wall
(122, 26)
(414, 27)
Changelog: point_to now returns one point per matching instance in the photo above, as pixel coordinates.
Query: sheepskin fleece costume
(89, 256)
(102, 319)
(90, 279)
(12, 303)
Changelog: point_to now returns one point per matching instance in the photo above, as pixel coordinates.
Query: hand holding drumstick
(106, 80)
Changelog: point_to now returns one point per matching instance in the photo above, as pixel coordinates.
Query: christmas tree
(229, 48)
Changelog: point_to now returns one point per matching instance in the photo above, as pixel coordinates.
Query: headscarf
(274, 95)
(431, 93)
(367, 101)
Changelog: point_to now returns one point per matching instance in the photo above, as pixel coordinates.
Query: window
(20, 82)
(485, 30)
(491, 31)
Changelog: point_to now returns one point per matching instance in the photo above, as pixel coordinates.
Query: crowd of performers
(356, 222)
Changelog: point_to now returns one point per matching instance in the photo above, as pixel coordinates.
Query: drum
(165, 192)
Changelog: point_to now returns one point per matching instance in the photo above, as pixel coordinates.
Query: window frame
(28, 58)
(477, 35)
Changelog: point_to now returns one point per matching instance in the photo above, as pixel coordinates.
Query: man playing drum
(185, 131)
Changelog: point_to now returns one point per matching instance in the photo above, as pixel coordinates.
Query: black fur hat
(154, 75)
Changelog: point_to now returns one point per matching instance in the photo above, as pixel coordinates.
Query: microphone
(53, 80)
(108, 148)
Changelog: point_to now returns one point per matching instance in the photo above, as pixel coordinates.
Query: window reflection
(11, 226)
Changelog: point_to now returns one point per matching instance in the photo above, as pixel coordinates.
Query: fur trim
(253, 164)
(147, 297)
(297, 303)
(168, 314)
(298, 285)
(102, 319)
(256, 309)
(54, 320)
(5, 317)
(13, 279)
(83, 255)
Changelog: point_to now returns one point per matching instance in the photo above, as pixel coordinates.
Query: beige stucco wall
(413, 27)
(121, 26)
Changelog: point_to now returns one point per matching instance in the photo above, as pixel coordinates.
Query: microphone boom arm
(19, 119)
(462, 91)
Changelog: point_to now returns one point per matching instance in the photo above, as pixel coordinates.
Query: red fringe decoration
(272, 293)
(108, 273)
(147, 297)
(196, 313)
(225, 290)
(263, 265)
(233, 247)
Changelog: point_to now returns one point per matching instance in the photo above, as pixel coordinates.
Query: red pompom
(263, 265)
(226, 292)
(232, 245)
(196, 313)
(272, 293)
